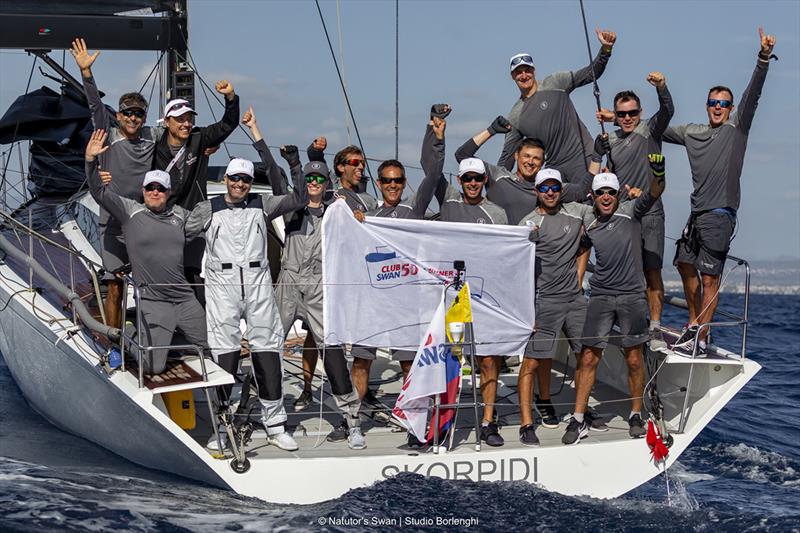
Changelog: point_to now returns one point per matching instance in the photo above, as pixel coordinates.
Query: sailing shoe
(213, 445)
(594, 420)
(548, 413)
(491, 435)
(303, 401)
(687, 336)
(657, 340)
(575, 431)
(636, 425)
(282, 440)
(339, 433)
(413, 442)
(355, 439)
(527, 435)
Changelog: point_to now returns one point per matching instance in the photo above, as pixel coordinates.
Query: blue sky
(276, 56)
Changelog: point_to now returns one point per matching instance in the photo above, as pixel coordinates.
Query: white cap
(605, 179)
(471, 164)
(157, 176)
(240, 166)
(547, 174)
(520, 59)
(177, 107)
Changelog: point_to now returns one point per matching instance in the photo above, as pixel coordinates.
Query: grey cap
(316, 168)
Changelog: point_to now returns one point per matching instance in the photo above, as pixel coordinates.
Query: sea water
(741, 474)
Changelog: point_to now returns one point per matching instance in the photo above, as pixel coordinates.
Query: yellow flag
(460, 310)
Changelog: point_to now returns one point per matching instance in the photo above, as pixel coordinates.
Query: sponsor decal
(543, 105)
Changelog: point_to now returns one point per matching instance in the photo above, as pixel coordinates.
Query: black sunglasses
(470, 177)
(724, 104)
(138, 113)
(150, 187)
(243, 177)
(631, 113)
(399, 181)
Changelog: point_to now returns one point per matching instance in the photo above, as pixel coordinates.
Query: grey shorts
(553, 316)
(403, 355)
(627, 311)
(113, 253)
(705, 242)
(364, 352)
(653, 241)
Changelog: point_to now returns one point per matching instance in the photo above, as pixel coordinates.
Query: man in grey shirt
(716, 156)
(131, 145)
(545, 112)
(556, 228)
(155, 235)
(618, 293)
(627, 147)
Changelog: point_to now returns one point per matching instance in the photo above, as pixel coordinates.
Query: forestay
(383, 280)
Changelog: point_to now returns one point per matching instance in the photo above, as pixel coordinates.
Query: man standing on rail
(131, 145)
(545, 112)
(716, 156)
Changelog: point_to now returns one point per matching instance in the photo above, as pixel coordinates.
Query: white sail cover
(383, 280)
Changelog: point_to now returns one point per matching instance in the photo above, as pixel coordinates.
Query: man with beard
(618, 293)
(628, 147)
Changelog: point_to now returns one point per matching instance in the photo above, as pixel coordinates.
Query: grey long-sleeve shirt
(514, 194)
(549, 116)
(155, 241)
(629, 151)
(617, 247)
(127, 160)
(558, 239)
(716, 155)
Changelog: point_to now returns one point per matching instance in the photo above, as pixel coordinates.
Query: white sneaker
(283, 440)
(213, 445)
(355, 439)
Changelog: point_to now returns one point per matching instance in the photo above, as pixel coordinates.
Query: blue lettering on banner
(432, 355)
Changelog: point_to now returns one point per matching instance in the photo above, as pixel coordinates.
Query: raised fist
(657, 164)
(657, 80)
(440, 110)
(291, 154)
(606, 37)
(225, 88)
(499, 125)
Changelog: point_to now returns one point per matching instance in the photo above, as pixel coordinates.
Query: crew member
(618, 292)
(128, 158)
(545, 112)
(155, 235)
(716, 156)
(628, 147)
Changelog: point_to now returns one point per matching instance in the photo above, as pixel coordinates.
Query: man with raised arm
(182, 153)
(155, 234)
(239, 286)
(556, 228)
(613, 228)
(545, 112)
(627, 147)
(299, 288)
(131, 145)
(392, 183)
(468, 204)
(716, 156)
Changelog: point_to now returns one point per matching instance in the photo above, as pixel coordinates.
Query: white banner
(383, 280)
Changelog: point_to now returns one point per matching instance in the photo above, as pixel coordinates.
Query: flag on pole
(460, 312)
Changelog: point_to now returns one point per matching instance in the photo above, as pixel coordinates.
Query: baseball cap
(157, 176)
(240, 166)
(605, 179)
(547, 174)
(471, 164)
(519, 60)
(177, 107)
(316, 168)
(132, 103)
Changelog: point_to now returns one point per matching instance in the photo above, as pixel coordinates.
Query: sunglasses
(319, 180)
(401, 180)
(724, 104)
(150, 187)
(521, 59)
(601, 192)
(177, 107)
(632, 113)
(240, 177)
(138, 113)
(469, 178)
(544, 189)
(355, 162)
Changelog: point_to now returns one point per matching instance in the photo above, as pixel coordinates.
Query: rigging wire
(147, 79)
(344, 74)
(397, 79)
(16, 126)
(344, 90)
